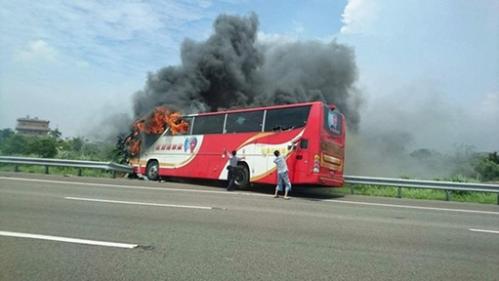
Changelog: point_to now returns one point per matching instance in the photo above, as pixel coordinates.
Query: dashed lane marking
(67, 239)
(140, 203)
(484, 230)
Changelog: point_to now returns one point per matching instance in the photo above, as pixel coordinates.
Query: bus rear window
(332, 121)
(286, 118)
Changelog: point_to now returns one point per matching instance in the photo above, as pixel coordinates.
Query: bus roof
(332, 106)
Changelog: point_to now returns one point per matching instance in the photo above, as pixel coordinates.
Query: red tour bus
(311, 136)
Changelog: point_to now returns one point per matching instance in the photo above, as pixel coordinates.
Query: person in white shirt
(232, 169)
(282, 175)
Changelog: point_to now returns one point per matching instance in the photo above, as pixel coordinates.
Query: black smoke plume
(307, 71)
(231, 69)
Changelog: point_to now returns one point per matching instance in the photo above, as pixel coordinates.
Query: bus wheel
(242, 176)
(152, 170)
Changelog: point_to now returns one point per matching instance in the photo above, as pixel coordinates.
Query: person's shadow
(308, 192)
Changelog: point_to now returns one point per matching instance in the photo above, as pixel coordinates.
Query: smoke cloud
(231, 69)
(305, 71)
(412, 132)
(417, 131)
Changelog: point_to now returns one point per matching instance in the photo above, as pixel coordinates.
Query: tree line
(54, 146)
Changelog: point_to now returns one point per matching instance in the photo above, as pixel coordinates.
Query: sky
(429, 67)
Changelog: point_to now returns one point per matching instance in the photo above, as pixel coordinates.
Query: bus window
(332, 121)
(188, 119)
(286, 118)
(209, 124)
(241, 122)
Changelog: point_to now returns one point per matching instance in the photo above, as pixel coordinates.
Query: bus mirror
(303, 143)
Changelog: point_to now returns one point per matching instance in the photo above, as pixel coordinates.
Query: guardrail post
(447, 195)
(497, 198)
(16, 168)
(399, 192)
(47, 169)
(352, 191)
(79, 172)
(114, 174)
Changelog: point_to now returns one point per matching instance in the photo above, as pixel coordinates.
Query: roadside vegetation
(425, 194)
(473, 166)
(469, 166)
(54, 146)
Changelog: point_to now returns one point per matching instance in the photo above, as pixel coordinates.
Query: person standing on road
(232, 169)
(282, 175)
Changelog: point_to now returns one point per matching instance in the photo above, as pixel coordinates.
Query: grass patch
(430, 194)
(480, 197)
(426, 194)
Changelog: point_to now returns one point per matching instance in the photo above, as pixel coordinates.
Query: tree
(5, 134)
(15, 144)
(55, 133)
(493, 157)
(422, 153)
(488, 167)
(77, 144)
(45, 147)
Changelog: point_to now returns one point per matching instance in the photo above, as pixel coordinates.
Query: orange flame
(134, 147)
(156, 123)
(176, 123)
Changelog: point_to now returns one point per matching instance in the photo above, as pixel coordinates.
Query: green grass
(426, 194)
(479, 197)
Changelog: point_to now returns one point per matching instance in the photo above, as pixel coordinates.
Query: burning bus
(310, 135)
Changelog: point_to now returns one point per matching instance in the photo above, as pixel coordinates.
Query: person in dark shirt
(232, 170)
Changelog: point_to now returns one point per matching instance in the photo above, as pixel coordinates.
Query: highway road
(78, 228)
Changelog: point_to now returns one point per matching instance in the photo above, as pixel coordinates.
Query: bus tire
(242, 176)
(152, 170)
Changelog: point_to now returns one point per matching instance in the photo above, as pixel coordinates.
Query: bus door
(298, 160)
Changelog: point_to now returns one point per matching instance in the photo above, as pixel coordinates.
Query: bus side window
(286, 118)
(168, 131)
(189, 121)
(208, 124)
(240, 122)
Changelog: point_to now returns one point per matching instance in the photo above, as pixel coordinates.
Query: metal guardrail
(446, 186)
(79, 164)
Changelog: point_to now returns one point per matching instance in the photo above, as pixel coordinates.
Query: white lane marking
(136, 187)
(138, 203)
(247, 193)
(413, 207)
(484, 230)
(67, 239)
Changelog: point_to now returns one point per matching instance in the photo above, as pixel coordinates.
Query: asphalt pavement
(181, 231)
